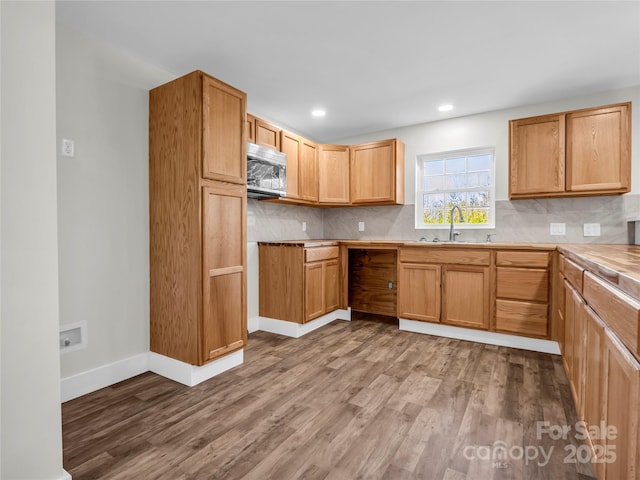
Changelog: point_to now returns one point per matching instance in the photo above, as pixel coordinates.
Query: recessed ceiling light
(318, 113)
(445, 108)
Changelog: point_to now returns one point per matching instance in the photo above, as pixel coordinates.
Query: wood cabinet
(333, 174)
(290, 146)
(581, 152)
(603, 371)
(263, 133)
(522, 293)
(308, 170)
(197, 202)
(621, 374)
(377, 173)
(445, 285)
(297, 283)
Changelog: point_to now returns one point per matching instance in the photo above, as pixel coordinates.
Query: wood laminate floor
(351, 400)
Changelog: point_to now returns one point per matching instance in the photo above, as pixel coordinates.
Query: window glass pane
(458, 180)
(478, 199)
(473, 180)
(432, 217)
(477, 215)
(435, 182)
(433, 167)
(455, 165)
(455, 198)
(479, 162)
(433, 200)
(485, 179)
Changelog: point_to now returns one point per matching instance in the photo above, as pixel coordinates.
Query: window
(464, 178)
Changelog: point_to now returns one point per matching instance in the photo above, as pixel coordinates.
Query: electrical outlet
(304, 226)
(557, 228)
(67, 148)
(361, 226)
(591, 229)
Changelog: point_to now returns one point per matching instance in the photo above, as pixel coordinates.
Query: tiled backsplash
(516, 221)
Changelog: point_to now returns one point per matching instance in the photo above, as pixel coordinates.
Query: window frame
(419, 191)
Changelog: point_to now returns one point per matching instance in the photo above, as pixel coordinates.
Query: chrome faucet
(452, 234)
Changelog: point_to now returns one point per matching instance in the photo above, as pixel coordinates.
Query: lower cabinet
(621, 375)
(603, 373)
(445, 285)
(298, 283)
(522, 292)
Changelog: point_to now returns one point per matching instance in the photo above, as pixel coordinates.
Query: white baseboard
(86, 382)
(191, 375)
(296, 330)
(253, 324)
(491, 338)
(65, 475)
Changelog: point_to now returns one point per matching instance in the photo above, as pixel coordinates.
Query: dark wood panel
(357, 399)
(370, 274)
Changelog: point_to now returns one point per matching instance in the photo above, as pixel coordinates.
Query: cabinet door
(373, 172)
(313, 290)
(465, 296)
(333, 174)
(308, 170)
(579, 351)
(266, 134)
(331, 285)
(290, 146)
(536, 159)
(224, 307)
(593, 379)
(419, 292)
(621, 382)
(224, 134)
(559, 327)
(569, 336)
(598, 150)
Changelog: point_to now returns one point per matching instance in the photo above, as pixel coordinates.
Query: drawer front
(523, 284)
(522, 259)
(523, 318)
(316, 254)
(619, 311)
(445, 255)
(573, 273)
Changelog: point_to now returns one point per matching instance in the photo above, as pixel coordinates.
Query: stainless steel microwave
(266, 172)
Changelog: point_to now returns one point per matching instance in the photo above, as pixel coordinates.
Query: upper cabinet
(223, 141)
(263, 133)
(333, 174)
(377, 173)
(583, 152)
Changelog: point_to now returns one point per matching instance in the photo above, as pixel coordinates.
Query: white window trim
(418, 210)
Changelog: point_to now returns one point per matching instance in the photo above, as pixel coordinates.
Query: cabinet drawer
(619, 311)
(573, 273)
(522, 259)
(522, 317)
(523, 284)
(316, 254)
(445, 255)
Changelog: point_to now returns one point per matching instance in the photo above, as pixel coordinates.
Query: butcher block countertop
(407, 243)
(618, 264)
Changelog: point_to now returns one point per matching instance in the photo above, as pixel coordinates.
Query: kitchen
(95, 82)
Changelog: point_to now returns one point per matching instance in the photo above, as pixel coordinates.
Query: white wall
(30, 376)
(103, 196)
(491, 129)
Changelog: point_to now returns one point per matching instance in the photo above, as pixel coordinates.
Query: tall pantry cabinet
(197, 208)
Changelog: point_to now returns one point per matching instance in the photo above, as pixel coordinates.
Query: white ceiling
(378, 65)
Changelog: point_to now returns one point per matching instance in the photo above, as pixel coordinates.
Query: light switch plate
(591, 229)
(361, 226)
(557, 229)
